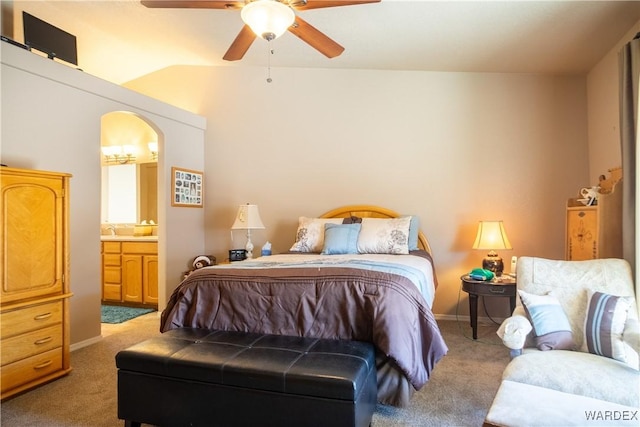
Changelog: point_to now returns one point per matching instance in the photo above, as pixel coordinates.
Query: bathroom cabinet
(130, 272)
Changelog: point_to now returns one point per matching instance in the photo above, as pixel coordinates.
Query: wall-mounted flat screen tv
(53, 41)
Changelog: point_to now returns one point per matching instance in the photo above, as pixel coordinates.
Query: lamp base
(249, 247)
(493, 262)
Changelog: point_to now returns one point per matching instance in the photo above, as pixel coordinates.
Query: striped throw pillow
(604, 326)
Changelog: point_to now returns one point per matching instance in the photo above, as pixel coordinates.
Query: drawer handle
(42, 316)
(43, 340)
(497, 290)
(43, 365)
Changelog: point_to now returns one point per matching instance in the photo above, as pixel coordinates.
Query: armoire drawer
(18, 321)
(30, 343)
(32, 368)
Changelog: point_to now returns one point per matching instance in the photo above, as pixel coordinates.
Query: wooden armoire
(34, 273)
(596, 231)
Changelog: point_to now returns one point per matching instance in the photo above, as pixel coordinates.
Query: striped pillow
(604, 326)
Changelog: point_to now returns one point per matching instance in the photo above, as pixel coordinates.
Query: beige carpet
(459, 393)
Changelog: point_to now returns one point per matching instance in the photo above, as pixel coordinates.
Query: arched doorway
(129, 210)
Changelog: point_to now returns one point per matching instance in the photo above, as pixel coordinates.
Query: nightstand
(506, 287)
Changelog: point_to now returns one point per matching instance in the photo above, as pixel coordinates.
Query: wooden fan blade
(240, 45)
(193, 4)
(315, 38)
(318, 4)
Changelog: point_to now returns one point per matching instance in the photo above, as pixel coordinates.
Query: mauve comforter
(332, 301)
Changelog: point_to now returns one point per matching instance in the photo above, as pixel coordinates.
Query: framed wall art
(187, 188)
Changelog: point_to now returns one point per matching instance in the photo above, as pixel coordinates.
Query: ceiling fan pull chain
(269, 53)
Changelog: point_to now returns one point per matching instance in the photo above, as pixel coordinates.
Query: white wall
(604, 123)
(51, 116)
(604, 112)
(453, 148)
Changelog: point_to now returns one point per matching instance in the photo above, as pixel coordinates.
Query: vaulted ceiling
(120, 40)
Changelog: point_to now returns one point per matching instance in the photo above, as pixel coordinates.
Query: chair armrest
(514, 330)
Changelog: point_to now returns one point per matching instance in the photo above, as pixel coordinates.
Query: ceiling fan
(257, 13)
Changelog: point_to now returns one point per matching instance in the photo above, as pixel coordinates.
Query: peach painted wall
(453, 148)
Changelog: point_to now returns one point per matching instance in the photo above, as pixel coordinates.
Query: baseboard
(447, 317)
(85, 343)
(466, 319)
(451, 317)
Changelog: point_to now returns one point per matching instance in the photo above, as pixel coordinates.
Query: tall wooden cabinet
(34, 277)
(596, 231)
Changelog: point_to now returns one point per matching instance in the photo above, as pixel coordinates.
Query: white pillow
(310, 234)
(384, 236)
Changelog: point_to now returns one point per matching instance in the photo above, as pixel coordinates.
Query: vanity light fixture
(121, 154)
(153, 148)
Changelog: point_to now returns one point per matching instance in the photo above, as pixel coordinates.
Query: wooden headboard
(368, 211)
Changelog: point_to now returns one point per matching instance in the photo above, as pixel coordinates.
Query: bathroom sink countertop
(119, 238)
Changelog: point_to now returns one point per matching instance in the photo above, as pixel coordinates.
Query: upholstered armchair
(558, 293)
(574, 339)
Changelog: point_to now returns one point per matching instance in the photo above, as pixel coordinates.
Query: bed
(356, 273)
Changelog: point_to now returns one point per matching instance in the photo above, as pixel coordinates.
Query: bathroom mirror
(130, 193)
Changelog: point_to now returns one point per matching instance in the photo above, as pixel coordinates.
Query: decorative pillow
(550, 323)
(352, 220)
(384, 236)
(341, 239)
(414, 228)
(604, 326)
(310, 234)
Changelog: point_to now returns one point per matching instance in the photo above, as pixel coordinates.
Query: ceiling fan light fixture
(269, 19)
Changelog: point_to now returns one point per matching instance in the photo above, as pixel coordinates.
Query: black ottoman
(200, 377)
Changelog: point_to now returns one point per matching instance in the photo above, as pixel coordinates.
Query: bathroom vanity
(130, 270)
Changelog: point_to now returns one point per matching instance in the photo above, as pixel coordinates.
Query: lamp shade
(491, 236)
(247, 218)
(268, 19)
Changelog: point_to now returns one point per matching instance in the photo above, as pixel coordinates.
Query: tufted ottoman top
(334, 369)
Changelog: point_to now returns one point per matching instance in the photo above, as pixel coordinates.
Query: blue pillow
(550, 323)
(414, 227)
(341, 239)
